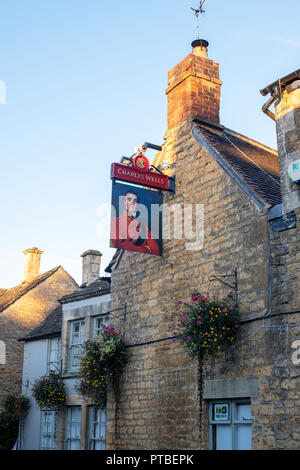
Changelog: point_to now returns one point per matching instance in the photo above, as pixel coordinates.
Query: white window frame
(75, 344)
(97, 330)
(48, 429)
(97, 422)
(232, 419)
(72, 413)
(56, 364)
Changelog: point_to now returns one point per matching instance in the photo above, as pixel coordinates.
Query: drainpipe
(268, 311)
(275, 96)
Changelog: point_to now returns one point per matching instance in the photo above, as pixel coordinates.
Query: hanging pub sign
(135, 224)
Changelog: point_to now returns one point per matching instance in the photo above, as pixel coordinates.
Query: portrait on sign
(133, 228)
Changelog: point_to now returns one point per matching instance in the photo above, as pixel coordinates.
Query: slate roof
(9, 296)
(51, 326)
(256, 164)
(99, 287)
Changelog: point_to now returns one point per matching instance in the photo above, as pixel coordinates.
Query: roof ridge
(249, 139)
(31, 285)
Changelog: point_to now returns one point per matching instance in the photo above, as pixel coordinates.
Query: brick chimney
(32, 263)
(285, 94)
(194, 88)
(91, 261)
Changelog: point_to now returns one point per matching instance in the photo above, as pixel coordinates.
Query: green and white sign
(294, 171)
(221, 412)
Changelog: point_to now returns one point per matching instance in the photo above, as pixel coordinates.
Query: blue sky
(85, 83)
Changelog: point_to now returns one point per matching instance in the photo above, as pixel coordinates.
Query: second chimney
(32, 263)
(91, 261)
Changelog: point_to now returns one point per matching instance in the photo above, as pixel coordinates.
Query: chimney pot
(32, 263)
(91, 261)
(200, 47)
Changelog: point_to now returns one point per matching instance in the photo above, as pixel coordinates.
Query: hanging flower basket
(101, 363)
(207, 327)
(49, 391)
(17, 405)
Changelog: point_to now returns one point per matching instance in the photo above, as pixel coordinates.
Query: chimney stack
(285, 94)
(90, 266)
(32, 263)
(194, 88)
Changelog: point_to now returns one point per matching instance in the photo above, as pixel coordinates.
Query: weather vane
(198, 11)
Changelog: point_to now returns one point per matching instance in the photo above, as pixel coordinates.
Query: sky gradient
(85, 84)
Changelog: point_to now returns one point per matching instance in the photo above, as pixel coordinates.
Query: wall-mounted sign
(134, 225)
(140, 177)
(294, 171)
(221, 412)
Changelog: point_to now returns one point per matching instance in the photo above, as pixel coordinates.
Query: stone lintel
(230, 388)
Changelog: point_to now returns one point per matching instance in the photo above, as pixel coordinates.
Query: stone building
(24, 307)
(251, 237)
(55, 345)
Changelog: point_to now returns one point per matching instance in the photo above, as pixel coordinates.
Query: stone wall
(285, 267)
(159, 407)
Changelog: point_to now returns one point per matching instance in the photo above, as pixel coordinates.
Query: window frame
(94, 319)
(232, 419)
(91, 432)
(42, 434)
(57, 367)
(72, 345)
(68, 425)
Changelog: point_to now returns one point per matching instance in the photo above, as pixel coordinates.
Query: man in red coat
(130, 233)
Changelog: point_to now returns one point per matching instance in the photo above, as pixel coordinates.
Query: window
(75, 344)
(230, 425)
(73, 422)
(48, 430)
(54, 349)
(97, 423)
(99, 324)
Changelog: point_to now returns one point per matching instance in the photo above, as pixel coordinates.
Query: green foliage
(17, 405)
(208, 327)
(14, 407)
(49, 391)
(101, 363)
